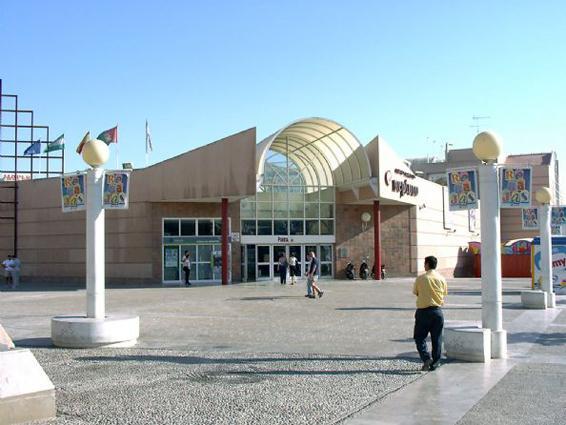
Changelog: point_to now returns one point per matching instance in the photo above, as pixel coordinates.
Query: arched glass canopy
(325, 152)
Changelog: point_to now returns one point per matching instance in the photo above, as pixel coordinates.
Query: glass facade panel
(279, 193)
(263, 196)
(264, 209)
(326, 210)
(247, 209)
(312, 227)
(264, 227)
(280, 227)
(312, 194)
(326, 253)
(263, 254)
(280, 210)
(326, 269)
(188, 228)
(204, 253)
(327, 194)
(218, 227)
(296, 210)
(171, 227)
(311, 210)
(205, 227)
(204, 271)
(248, 227)
(326, 227)
(262, 271)
(296, 227)
(171, 263)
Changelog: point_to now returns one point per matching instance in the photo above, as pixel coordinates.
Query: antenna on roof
(477, 119)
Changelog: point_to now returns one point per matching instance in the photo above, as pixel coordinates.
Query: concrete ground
(262, 353)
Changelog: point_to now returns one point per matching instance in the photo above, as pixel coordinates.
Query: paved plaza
(261, 353)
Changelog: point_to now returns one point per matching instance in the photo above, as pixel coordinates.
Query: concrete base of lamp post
(499, 344)
(468, 343)
(550, 300)
(85, 332)
(534, 299)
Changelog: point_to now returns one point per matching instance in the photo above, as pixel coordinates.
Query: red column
(377, 239)
(225, 241)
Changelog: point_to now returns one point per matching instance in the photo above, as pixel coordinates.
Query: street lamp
(487, 148)
(544, 198)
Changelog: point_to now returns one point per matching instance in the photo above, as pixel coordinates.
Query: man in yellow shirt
(430, 289)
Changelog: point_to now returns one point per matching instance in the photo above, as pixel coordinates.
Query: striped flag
(148, 144)
(56, 145)
(109, 136)
(82, 144)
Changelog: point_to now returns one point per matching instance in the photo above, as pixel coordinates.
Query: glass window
(188, 228)
(263, 196)
(264, 209)
(171, 227)
(280, 227)
(311, 210)
(326, 227)
(248, 227)
(280, 193)
(327, 194)
(192, 251)
(204, 271)
(205, 227)
(326, 210)
(326, 269)
(262, 254)
(204, 253)
(280, 210)
(312, 194)
(171, 263)
(218, 227)
(262, 271)
(312, 227)
(325, 252)
(296, 227)
(264, 227)
(247, 209)
(296, 209)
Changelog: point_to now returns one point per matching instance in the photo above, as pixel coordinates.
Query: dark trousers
(429, 320)
(283, 274)
(187, 274)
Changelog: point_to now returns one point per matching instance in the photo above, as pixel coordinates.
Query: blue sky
(410, 71)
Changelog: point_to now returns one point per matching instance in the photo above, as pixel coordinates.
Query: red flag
(109, 136)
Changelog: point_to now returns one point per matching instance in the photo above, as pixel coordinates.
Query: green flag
(56, 145)
(109, 136)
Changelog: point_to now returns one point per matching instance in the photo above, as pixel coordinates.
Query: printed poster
(515, 187)
(462, 189)
(73, 192)
(530, 218)
(116, 189)
(558, 217)
(558, 263)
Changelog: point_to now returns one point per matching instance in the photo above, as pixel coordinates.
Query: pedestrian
(312, 277)
(430, 289)
(15, 271)
(292, 267)
(6, 265)
(283, 268)
(187, 267)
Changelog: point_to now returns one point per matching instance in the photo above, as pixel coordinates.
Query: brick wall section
(395, 238)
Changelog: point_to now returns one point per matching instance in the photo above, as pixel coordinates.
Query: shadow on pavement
(34, 343)
(545, 339)
(403, 308)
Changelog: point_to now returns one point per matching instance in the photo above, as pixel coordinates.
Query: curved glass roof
(327, 153)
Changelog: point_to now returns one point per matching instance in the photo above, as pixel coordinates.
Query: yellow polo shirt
(430, 289)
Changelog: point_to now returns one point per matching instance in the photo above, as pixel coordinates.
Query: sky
(414, 72)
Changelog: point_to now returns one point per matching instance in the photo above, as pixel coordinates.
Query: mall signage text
(403, 187)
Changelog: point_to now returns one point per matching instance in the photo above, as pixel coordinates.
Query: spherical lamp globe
(486, 146)
(95, 153)
(366, 217)
(543, 195)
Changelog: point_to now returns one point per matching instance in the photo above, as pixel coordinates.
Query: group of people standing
(291, 265)
(11, 267)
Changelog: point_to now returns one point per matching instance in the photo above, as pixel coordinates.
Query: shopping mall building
(236, 205)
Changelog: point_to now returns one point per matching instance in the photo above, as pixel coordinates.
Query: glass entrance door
(263, 267)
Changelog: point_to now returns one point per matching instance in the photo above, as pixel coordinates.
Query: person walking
(292, 267)
(15, 270)
(312, 277)
(187, 267)
(6, 264)
(430, 289)
(283, 268)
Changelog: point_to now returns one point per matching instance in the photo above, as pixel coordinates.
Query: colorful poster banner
(73, 192)
(462, 189)
(530, 218)
(558, 217)
(116, 189)
(558, 263)
(515, 187)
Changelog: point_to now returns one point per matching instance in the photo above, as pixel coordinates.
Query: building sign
(116, 189)
(399, 180)
(462, 189)
(73, 192)
(515, 187)
(14, 177)
(190, 240)
(530, 218)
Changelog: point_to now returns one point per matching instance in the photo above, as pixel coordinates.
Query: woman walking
(283, 268)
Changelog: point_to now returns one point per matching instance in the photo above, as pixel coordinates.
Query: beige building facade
(310, 186)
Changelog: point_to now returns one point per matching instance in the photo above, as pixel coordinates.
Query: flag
(148, 144)
(82, 144)
(109, 136)
(33, 149)
(56, 145)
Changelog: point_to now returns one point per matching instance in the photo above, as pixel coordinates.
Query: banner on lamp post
(530, 218)
(116, 190)
(462, 189)
(73, 192)
(515, 187)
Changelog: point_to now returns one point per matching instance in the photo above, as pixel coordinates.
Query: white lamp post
(487, 148)
(544, 198)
